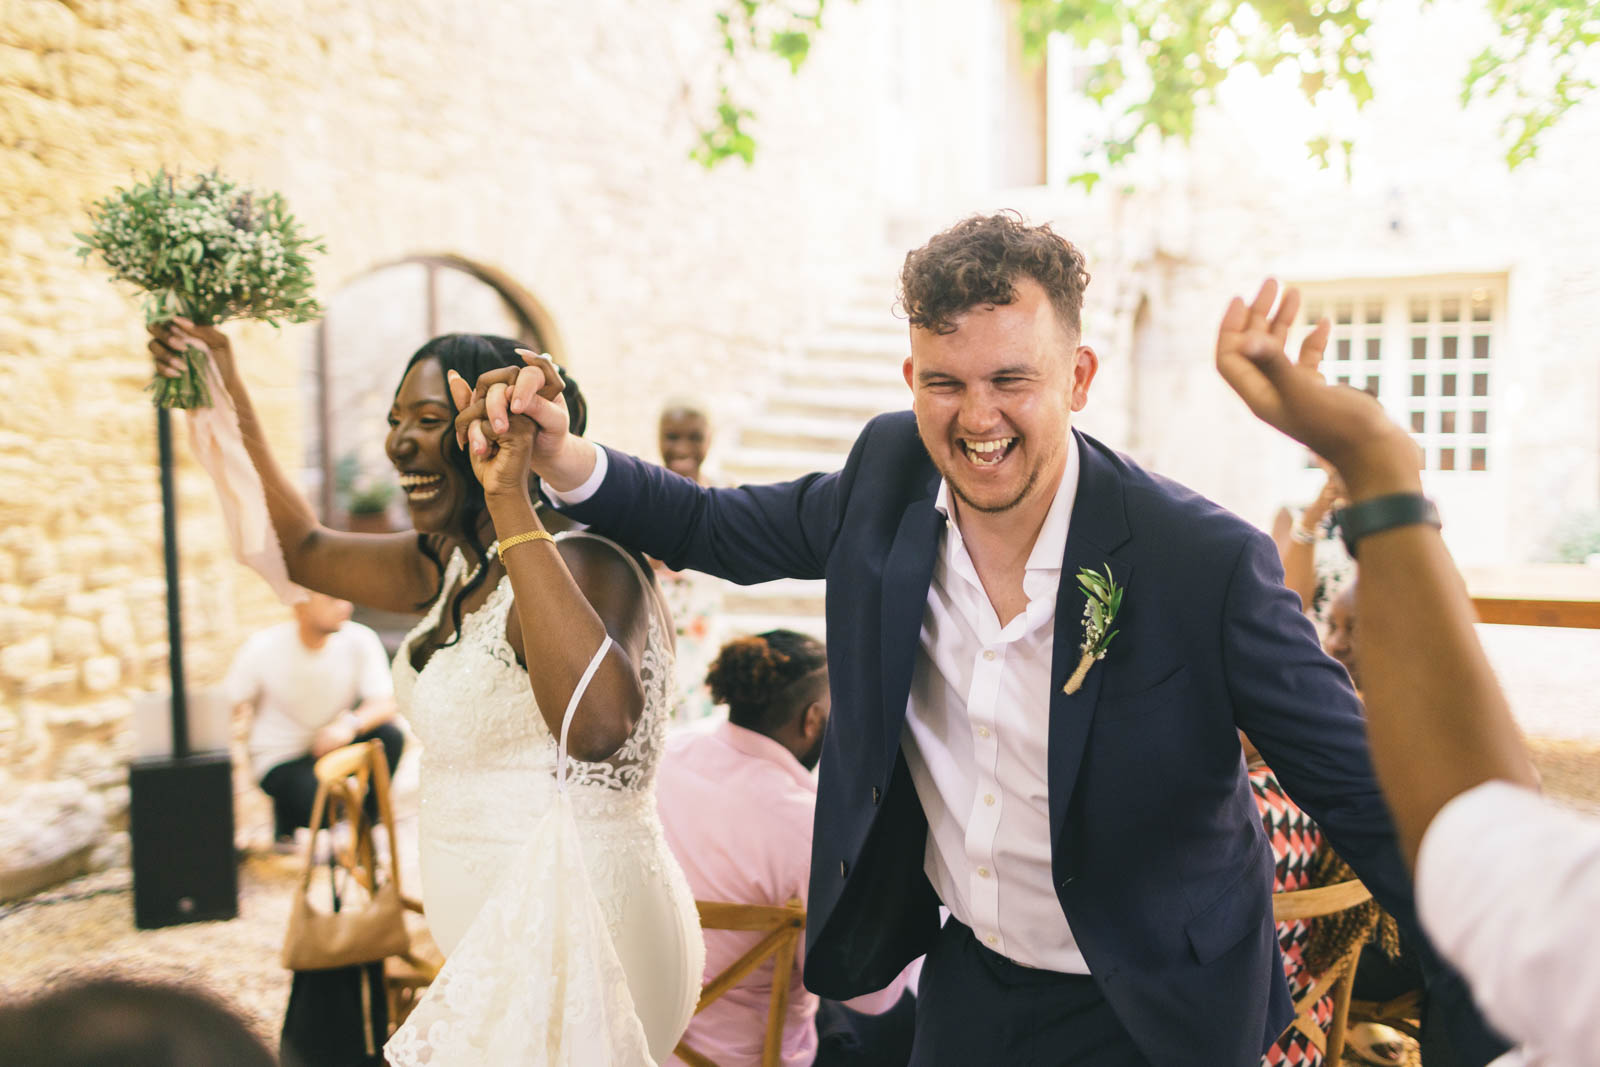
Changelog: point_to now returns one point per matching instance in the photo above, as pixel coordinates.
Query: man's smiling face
(994, 399)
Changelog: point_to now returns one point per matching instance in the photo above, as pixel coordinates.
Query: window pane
(1372, 385)
(1447, 422)
(1343, 312)
(1313, 312)
(1419, 348)
(1374, 349)
(1480, 459)
(1447, 459)
(1480, 422)
(1447, 348)
(1480, 348)
(1344, 379)
(1481, 307)
(1417, 422)
(1341, 350)
(1480, 385)
(1373, 312)
(1419, 309)
(1447, 385)
(1419, 385)
(1450, 309)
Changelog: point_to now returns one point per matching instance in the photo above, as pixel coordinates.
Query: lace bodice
(475, 714)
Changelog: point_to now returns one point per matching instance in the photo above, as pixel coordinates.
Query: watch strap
(1381, 513)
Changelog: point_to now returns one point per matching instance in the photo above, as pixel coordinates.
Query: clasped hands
(509, 419)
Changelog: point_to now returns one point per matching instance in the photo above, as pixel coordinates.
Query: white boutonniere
(1104, 599)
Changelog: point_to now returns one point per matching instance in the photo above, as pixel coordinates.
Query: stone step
(757, 465)
(860, 343)
(825, 400)
(820, 369)
(868, 319)
(803, 432)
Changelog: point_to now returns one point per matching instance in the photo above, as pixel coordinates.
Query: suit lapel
(1099, 526)
(907, 573)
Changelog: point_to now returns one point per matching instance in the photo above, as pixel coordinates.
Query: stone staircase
(846, 373)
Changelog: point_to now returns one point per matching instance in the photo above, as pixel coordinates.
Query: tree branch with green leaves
(1152, 65)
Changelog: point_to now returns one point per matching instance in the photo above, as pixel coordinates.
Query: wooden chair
(781, 927)
(347, 774)
(1315, 904)
(1403, 1013)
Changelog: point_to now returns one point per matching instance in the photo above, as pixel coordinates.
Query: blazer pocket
(1241, 909)
(1147, 699)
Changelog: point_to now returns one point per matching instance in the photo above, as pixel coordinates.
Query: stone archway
(373, 324)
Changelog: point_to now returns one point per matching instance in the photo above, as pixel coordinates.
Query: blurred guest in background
(738, 803)
(1315, 563)
(695, 598)
(311, 685)
(129, 1024)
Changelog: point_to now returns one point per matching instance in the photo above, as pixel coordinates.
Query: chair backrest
(1317, 903)
(344, 777)
(781, 927)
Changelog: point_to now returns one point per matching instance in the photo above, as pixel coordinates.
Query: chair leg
(1341, 1013)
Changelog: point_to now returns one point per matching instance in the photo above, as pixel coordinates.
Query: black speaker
(180, 814)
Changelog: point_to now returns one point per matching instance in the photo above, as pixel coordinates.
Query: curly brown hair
(977, 261)
(758, 677)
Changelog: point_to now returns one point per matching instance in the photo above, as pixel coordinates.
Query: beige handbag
(367, 924)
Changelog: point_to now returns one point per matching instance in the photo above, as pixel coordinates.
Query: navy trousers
(292, 785)
(977, 1007)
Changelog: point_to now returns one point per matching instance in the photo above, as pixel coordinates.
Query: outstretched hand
(1345, 425)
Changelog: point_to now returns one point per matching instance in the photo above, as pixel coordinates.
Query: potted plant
(363, 497)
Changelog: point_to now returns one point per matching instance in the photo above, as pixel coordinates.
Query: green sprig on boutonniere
(1104, 600)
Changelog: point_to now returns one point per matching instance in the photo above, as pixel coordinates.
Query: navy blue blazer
(1158, 854)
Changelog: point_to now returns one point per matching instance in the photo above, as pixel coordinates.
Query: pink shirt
(738, 810)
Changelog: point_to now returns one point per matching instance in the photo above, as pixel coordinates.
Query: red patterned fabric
(1295, 840)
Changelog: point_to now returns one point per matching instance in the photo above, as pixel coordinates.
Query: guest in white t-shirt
(311, 685)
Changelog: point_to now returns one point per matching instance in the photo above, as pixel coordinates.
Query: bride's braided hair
(763, 679)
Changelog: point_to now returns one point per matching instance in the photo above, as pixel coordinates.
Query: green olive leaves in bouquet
(207, 249)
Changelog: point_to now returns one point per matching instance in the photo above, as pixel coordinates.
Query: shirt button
(844, 869)
(991, 939)
(983, 731)
(988, 799)
(983, 872)
(988, 654)
(875, 794)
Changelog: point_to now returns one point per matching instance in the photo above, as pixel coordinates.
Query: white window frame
(1451, 440)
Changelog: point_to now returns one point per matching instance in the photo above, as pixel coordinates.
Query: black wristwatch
(1384, 513)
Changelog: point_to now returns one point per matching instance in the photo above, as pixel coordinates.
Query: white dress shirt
(977, 740)
(1508, 887)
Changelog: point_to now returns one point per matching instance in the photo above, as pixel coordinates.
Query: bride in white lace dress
(570, 933)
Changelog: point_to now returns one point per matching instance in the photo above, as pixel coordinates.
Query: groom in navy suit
(1107, 876)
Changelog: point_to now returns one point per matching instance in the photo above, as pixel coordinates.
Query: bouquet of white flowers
(209, 250)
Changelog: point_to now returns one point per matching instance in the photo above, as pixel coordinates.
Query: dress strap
(572, 706)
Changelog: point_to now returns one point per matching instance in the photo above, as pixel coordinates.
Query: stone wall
(547, 140)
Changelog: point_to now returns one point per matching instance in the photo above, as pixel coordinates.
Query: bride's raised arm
(386, 571)
(568, 597)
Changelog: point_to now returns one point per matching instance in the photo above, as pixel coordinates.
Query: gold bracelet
(517, 539)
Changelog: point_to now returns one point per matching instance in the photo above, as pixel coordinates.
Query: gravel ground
(86, 927)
